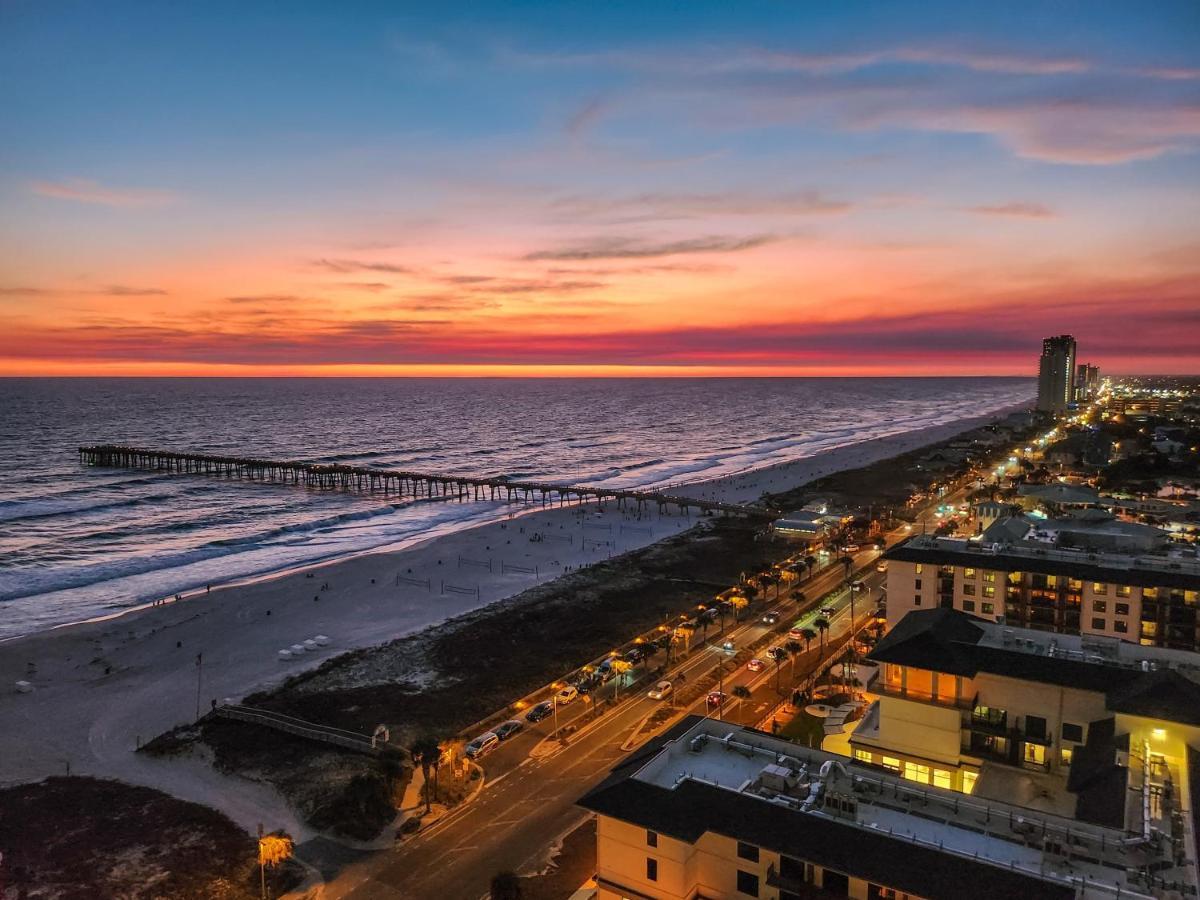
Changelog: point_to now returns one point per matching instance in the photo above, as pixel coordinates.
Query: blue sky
(800, 158)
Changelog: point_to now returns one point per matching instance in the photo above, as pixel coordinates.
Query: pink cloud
(82, 190)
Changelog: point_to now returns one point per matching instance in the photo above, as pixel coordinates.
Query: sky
(651, 188)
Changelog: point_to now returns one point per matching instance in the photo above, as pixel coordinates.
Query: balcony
(881, 687)
(990, 723)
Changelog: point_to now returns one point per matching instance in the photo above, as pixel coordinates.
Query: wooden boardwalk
(418, 485)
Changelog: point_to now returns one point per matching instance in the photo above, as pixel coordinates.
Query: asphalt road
(528, 802)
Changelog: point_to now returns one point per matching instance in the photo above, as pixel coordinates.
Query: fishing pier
(402, 484)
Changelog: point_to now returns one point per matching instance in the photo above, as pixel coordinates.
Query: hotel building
(1056, 375)
(722, 812)
(1147, 599)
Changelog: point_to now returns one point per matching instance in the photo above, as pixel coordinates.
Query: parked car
(660, 691)
(716, 698)
(583, 684)
(604, 671)
(539, 712)
(756, 665)
(482, 745)
(507, 729)
(566, 695)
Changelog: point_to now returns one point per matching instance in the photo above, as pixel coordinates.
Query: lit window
(916, 772)
(1065, 755)
(968, 573)
(1035, 753)
(989, 591)
(943, 779)
(1099, 588)
(989, 609)
(920, 568)
(864, 756)
(989, 577)
(890, 763)
(1123, 590)
(969, 781)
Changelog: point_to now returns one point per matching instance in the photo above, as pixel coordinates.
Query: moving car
(828, 611)
(770, 618)
(660, 691)
(482, 745)
(716, 698)
(539, 712)
(881, 566)
(756, 665)
(566, 695)
(728, 647)
(507, 729)
(796, 633)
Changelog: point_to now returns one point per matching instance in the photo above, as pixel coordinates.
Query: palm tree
(822, 625)
(619, 666)
(792, 648)
(739, 603)
(426, 751)
(778, 654)
(811, 563)
(505, 886)
(809, 636)
(847, 564)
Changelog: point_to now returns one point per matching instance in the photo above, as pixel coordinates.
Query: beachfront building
(1098, 731)
(1019, 574)
(719, 811)
(1087, 382)
(1056, 375)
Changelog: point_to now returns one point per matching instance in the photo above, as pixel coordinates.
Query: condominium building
(723, 812)
(1087, 382)
(1056, 375)
(1097, 731)
(1152, 600)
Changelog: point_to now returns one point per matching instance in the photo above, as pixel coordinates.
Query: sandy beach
(102, 687)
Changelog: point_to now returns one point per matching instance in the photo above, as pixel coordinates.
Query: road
(528, 802)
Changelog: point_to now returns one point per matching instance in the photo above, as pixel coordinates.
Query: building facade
(1056, 375)
(1102, 732)
(723, 812)
(1153, 601)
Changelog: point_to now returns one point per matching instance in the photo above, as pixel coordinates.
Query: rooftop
(1174, 570)
(1148, 681)
(705, 775)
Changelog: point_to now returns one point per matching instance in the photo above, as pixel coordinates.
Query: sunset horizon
(923, 190)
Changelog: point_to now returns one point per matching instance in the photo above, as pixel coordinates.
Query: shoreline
(103, 687)
(730, 487)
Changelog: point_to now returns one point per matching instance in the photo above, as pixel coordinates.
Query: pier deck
(418, 485)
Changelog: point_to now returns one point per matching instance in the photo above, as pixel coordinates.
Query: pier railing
(418, 485)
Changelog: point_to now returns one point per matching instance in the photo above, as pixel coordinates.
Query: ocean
(77, 542)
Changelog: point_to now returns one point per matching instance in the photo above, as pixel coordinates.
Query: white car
(566, 695)
(660, 691)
